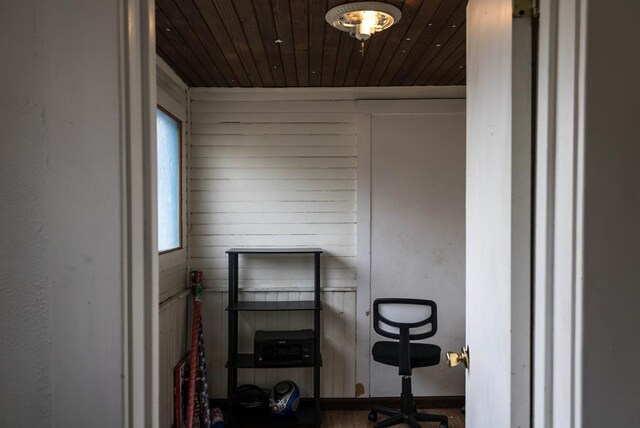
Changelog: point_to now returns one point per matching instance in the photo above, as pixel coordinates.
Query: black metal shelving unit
(309, 413)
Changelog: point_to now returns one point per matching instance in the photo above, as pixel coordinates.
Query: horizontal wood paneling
(271, 140)
(272, 173)
(285, 176)
(281, 128)
(172, 280)
(269, 117)
(274, 229)
(266, 262)
(216, 250)
(272, 185)
(276, 173)
(337, 342)
(211, 102)
(252, 218)
(270, 151)
(265, 240)
(284, 196)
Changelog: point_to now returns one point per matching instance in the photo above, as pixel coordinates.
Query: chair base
(407, 414)
(396, 417)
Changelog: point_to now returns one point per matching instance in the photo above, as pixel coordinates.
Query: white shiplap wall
(275, 170)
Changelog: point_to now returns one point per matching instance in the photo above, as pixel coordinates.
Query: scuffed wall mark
(359, 389)
(439, 256)
(368, 313)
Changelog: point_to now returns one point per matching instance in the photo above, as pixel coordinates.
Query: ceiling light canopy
(363, 19)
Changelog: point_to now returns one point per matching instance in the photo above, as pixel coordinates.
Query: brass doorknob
(453, 358)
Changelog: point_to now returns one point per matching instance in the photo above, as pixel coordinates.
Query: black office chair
(405, 320)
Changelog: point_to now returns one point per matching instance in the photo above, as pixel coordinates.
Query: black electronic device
(284, 348)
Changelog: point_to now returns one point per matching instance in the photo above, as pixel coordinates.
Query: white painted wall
(588, 206)
(611, 204)
(278, 167)
(417, 225)
(61, 259)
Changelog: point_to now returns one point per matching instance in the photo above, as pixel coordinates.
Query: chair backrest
(419, 316)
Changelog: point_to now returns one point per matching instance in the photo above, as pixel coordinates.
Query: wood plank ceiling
(287, 43)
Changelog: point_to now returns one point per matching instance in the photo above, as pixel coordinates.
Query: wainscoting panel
(173, 345)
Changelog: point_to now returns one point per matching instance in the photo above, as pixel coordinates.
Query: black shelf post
(232, 371)
(318, 332)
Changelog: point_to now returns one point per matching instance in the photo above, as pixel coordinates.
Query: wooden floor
(358, 418)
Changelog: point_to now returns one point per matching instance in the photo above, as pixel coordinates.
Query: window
(168, 138)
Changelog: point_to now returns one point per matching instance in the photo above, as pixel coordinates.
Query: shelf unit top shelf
(296, 305)
(274, 250)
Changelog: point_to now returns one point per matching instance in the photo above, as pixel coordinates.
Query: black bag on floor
(252, 402)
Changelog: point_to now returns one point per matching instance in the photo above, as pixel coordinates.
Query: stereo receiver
(284, 348)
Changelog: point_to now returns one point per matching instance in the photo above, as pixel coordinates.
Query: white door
(498, 207)
(417, 225)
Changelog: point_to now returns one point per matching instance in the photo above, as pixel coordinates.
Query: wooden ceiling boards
(287, 43)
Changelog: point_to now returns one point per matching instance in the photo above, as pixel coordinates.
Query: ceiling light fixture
(363, 19)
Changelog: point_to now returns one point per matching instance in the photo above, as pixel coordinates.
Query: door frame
(558, 213)
(396, 101)
(139, 213)
(499, 213)
(557, 286)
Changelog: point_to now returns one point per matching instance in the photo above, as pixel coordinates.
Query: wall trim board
(164, 68)
(271, 289)
(140, 270)
(408, 107)
(556, 398)
(188, 174)
(348, 403)
(435, 402)
(328, 94)
(363, 259)
(172, 106)
(179, 295)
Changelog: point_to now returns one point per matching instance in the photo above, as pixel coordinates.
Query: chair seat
(422, 354)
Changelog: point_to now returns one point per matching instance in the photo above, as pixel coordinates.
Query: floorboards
(358, 418)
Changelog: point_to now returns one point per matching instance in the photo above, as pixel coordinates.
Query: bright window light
(168, 137)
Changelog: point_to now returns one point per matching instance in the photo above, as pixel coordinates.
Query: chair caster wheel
(373, 416)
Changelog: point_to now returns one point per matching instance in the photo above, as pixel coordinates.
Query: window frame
(180, 122)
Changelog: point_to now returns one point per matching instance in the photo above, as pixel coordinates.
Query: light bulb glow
(367, 25)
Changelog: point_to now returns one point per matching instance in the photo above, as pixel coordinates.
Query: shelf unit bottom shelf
(303, 417)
